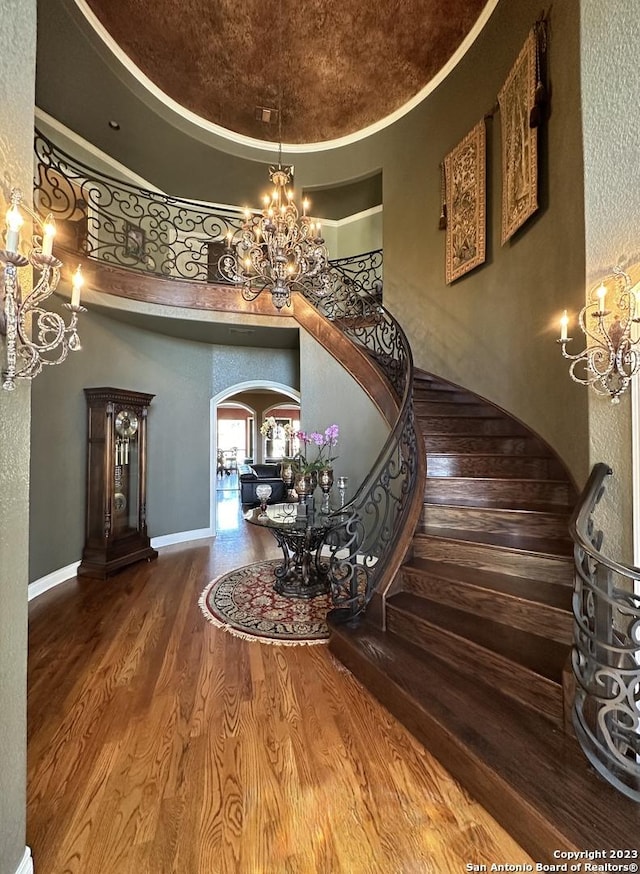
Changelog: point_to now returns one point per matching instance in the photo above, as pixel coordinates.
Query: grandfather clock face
(125, 473)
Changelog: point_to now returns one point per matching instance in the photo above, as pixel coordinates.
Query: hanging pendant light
(277, 249)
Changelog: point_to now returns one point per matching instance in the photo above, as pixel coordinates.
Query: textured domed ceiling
(342, 64)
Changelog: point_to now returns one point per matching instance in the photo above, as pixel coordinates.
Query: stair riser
(472, 425)
(449, 489)
(445, 408)
(517, 682)
(488, 444)
(443, 395)
(528, 616)
(491, 466)
(528, 524)
(496, 559)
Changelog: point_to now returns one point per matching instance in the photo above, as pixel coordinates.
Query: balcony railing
(606, 651)
(120, 224)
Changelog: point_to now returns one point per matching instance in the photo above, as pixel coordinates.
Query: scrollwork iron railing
(120, 224)
(606, 651)
(368, 528)
(364, 270)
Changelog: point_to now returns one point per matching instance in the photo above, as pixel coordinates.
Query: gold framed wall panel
(465, 194)
(519, 141)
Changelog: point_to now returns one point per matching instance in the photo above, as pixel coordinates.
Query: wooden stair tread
(532, 545)
(533, 779)
(506, 504)
(442, 453)
(540, 655)
(538, 591)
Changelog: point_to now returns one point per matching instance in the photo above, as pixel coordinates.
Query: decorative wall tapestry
(519, 141)
(465, 186)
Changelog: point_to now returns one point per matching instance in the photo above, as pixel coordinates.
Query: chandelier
(611, 357)
(34, 337)
(277, 249)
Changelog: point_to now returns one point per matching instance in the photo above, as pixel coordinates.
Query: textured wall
(610, 91)
(359, 236)
(184, 376)
(17, 75)
(330, 395)
(233, 365)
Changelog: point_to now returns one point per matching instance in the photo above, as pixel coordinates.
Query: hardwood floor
(158, 743)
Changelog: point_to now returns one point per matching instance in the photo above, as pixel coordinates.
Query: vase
(325, 479)
(314, 480)
(287, 473)
(302, 485)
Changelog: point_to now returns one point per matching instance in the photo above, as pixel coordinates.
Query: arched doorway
(242, 389)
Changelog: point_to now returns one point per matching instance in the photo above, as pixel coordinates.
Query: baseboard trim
(181, 537)
(26, 865)
(39, 587)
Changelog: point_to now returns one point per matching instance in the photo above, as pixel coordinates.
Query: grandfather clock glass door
(116, 520)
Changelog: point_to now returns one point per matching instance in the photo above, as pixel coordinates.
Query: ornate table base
(302, 574)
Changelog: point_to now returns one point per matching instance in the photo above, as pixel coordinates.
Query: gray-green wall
(17, 74)
(329, 395)
(184, 375)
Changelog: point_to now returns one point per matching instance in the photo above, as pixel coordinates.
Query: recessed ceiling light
(114, 125)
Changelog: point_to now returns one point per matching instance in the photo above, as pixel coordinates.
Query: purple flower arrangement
(323, 442)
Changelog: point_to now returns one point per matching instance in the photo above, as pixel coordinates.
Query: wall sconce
(34, 336)
(611, 357)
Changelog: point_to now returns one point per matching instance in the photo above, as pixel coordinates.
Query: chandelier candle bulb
(601, 294)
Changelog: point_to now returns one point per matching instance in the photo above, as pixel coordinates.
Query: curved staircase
(472, 649)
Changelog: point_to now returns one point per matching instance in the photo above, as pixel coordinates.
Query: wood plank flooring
(158, 743)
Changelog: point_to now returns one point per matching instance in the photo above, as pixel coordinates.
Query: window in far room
(232, 443)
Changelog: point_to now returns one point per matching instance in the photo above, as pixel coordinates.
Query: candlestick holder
(342, 483)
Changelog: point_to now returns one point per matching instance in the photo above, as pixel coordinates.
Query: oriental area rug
(244, 603)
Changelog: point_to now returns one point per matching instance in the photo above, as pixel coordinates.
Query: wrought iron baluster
(606, 651)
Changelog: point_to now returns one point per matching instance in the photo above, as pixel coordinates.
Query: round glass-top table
(302, 574)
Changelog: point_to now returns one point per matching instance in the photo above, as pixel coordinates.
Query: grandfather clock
(116, 513)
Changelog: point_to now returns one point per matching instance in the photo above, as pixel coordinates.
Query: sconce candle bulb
(76, 286)
(601, 295)
(48, 233)
(564, 323)
(14, 223)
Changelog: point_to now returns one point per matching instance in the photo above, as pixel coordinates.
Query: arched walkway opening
(246, 396)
